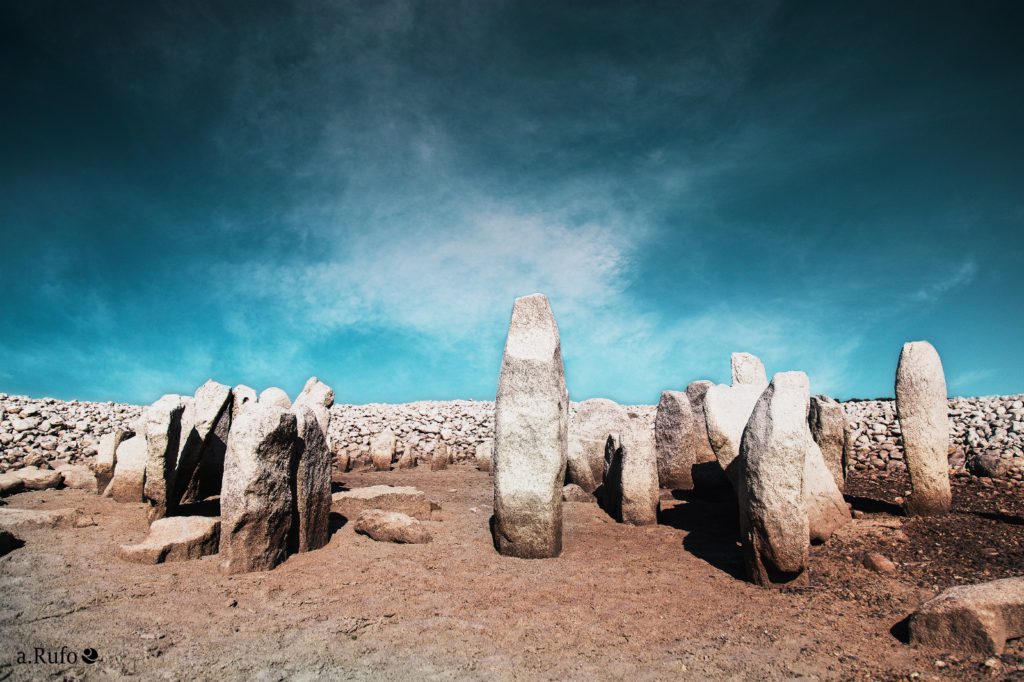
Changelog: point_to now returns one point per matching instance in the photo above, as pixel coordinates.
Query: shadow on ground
(711, 523)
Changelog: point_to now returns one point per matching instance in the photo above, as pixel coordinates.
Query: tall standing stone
(530, 435)
(163, 440)
(748, 370)
(630, 489)
(439, 456)
(674, 441)
(773, 518)
(727, 410)
(707, 474)
(106, 457)
(923, 412)
(589, 428)
(310, 479)
(382, 450)
(484, 454)
(828, 427)
(256, 498)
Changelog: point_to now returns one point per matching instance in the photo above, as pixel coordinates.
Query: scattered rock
(879, 563)
(972, 619)
(176, 538)
(389, 526)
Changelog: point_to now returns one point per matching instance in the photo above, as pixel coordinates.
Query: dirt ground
(621, 602)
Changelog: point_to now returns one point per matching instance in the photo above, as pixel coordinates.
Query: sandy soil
(621, 602)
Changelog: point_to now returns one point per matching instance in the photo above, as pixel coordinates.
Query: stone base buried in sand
(175, 538)
(386, 526)
(972, 618)
(13, 519)
(402, 499)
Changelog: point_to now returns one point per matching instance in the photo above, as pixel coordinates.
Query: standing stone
(311, 481)
(241, 397)
(256, 498)
(707, 474)
(531, 435)
(128, 482)
(163, 439)
(106, 457)
(439, 457)
(484, 454)
(589, 428)
(275, 396)
(408, 459)
(747, 370)
(205, 426)
(382, 450)
(773, 518)
(317, 394)
(922, 410)
(727, 410)
(826, 509)
(674, 438)
(828, 427)
(630, 488)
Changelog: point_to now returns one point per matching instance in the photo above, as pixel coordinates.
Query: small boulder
(573, 493)
(387, 526)
(78, 476)
(879, 563)
(988, 464)
(10, 484)
(275, 396)
(403, 499)
(175, 538)
(972, 619)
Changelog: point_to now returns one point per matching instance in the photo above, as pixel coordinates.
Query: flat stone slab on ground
(972, 618)
(403, 499)
(10, 484)
(388, 526)
(35, 478)
(78, 476)
(14, 519)
(175, 538)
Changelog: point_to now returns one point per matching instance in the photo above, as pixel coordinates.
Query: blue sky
(358, 190)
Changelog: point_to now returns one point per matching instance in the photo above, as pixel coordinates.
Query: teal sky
(358, 190)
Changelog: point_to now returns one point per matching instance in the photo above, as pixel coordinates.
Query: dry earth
(621, 602)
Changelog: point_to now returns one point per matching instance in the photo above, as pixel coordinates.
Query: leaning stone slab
(748, 370)
(127, 484)
(674, 440)
(707, 474)
(403, 499)
(484, 454)
(78, 476)
(204, 432)
(176, 538)
(319, 396)
(774, 527)
(256, 497)
(163, 420)
(311, 482)
(34, 478)
(972, 619)
(923, 413)
(17, 519)
(826, 509)
(630, 489)
(386, 526)
(727, 410)
(589, 428)
(828, 427)
(106, 456)
(531, 435)
(382, 450)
